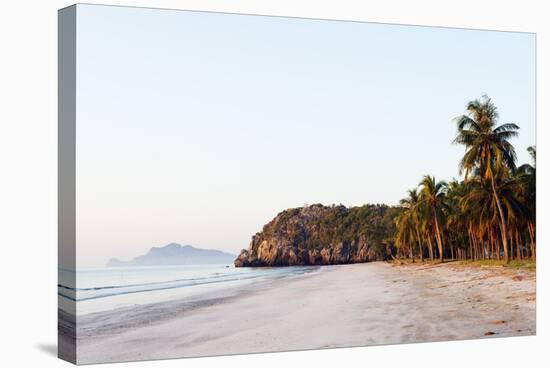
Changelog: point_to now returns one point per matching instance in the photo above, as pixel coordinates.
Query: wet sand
(335, 306)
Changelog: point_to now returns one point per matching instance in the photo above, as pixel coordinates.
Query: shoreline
(103, 323)
(337, 306)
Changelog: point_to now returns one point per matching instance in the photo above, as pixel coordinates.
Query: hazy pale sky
(198, 128)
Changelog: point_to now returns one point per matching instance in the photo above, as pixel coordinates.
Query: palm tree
(482, 203)
(456, 217)
(488, 150)
(432, 195)
(528, 168)
(411, 213)
(528, 174)
(405, 229)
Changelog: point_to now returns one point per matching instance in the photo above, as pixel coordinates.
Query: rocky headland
(322, 235)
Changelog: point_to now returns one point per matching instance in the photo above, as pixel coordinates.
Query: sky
(198, 128)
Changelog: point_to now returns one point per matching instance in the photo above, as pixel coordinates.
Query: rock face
(322, 235)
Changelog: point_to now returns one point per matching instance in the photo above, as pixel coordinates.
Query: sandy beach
(334, 306)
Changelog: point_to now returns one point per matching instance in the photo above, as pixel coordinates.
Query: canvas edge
(66, 256)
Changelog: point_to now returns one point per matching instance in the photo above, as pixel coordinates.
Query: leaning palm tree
(488, 150)
(432, 195)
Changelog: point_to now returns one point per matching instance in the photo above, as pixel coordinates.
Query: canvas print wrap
(233, 184)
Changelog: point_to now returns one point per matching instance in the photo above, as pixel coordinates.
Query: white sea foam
(102, 289)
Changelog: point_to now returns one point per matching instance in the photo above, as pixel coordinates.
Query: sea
(109, 288)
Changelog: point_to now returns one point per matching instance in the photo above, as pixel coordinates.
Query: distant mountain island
(175, 254)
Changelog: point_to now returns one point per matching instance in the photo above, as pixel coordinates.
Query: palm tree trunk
(430, 248)
(482, 246)
(471, 243)
(494, 247)
(438, 238)
(420, 246)
(502, 221)
(518, 250)
(476, 246)
(531, 229)
(479, 246)
(511, 238)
